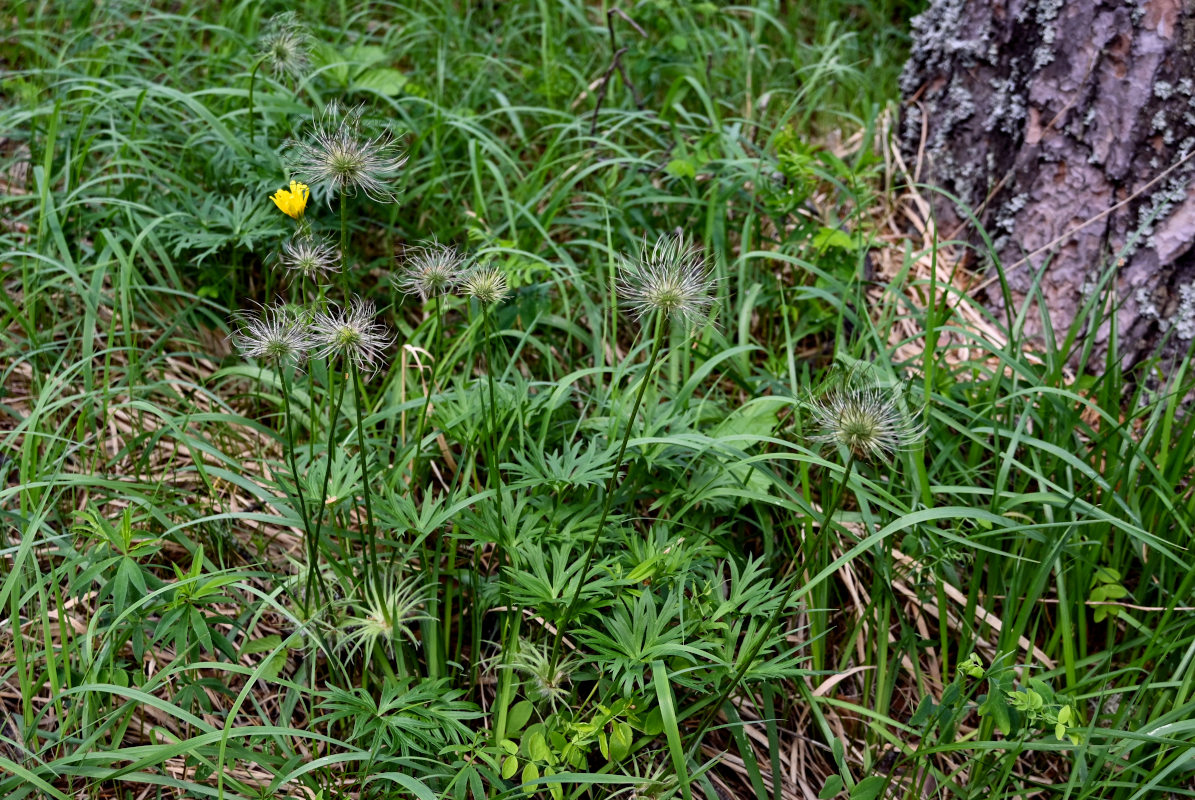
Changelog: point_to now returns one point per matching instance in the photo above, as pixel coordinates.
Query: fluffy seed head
(854, 411)
(431, 269)
(285, 45)
(339, 153)
(351, 334)
(274, 334)
(310, 257)
(486, 284)
(673, 277)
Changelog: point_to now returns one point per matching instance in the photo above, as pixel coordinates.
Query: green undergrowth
(199, 602)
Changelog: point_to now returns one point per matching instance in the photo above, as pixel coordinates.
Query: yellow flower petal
(292, 201)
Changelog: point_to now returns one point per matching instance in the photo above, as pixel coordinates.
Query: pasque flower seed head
(487, 284)
(310, 256)
(853, 410)
(673, 278)
(285, 45)
(340, 154)
(352, 334)
(431, 269)
(275, 335)
(385, 615)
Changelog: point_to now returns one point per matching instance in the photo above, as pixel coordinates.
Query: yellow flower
(292, 201)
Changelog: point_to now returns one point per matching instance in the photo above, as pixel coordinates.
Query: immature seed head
(673, 277)
(310, 256)
(535, 664)
(487, 284)
(340, 153)
(430, 269)
(386, 615)
(854, 411)
(351, 334)
(274, 334)
(285, 45)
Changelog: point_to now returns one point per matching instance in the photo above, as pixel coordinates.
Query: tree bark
(1069, 129)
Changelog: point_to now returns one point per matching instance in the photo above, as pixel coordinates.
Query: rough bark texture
(1045, 116)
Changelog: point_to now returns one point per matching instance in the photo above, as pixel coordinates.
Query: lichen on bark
(1070, 128)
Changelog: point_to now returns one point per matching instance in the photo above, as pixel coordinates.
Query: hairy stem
(512, 617)
(323, 503)
(308, 538)
(369, 533)
(495, 475)
(431, 387)
(344, 246)
(252, 81)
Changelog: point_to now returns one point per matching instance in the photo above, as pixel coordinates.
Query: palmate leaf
(484, 521)
(739, 615)
(637, 632)
(219, 221)
(547, 580)
(398, 511)
(464, 412)
(410, 717)
(749, 592)
(571, 467)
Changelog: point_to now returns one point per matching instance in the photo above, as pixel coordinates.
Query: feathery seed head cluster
(432, 269)
(486, 284)
(275, 334)
(854, 411)
(310, 257)
(342, 155)
(352, 334)
(673, 277)
(285, 45)
(292, 201)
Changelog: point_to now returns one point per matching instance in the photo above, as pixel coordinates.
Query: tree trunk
(1069, 129)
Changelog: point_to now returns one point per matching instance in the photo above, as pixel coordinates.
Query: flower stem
(494, 437)
(369, 533)
(252, 81)
(506, 680)
(344, 246)
(827, 523)
(657, 343)
(431, 387)
(319, 522)
(309, 540)
(513, 616)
